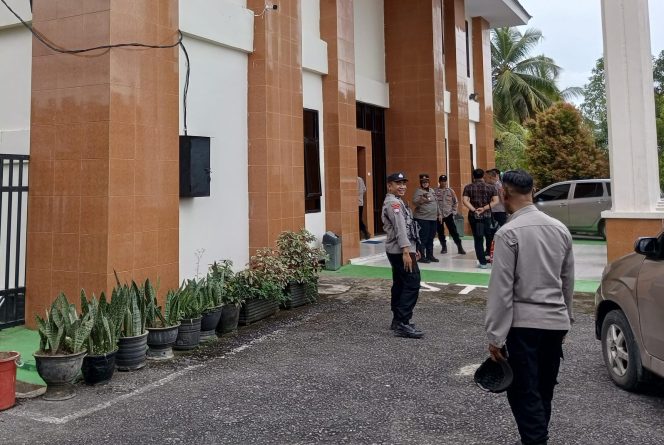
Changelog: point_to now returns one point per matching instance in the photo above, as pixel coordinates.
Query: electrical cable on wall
(61, 50)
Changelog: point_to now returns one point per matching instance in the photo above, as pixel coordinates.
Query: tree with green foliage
(523, 85)
(560, 147)
(593, 107)
(595, 113)
(510, 145)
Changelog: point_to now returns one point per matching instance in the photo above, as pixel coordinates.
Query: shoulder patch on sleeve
(396, 207)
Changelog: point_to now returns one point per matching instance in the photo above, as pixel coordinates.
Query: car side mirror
(646, 246)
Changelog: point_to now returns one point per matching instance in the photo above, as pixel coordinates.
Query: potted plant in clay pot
(162, 326)
(262, 285)
(62, 341)
(191, 308)
(129, 316)
(231, 300)
(302, 261)
(211, 290)
(102, 344)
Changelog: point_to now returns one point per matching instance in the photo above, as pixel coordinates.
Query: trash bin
(8, 363)
(332, 246)
(459, 223)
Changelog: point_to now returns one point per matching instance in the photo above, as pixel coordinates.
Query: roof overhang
(499, 13)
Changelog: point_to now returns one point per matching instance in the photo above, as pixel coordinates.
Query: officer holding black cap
(402, 236)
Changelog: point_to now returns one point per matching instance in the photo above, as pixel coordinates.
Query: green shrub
(63, 332)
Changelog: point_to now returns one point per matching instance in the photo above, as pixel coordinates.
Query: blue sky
(572, 31)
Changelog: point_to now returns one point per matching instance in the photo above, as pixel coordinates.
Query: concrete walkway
(589, 257)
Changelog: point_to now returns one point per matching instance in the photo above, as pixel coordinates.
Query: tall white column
(631, 110)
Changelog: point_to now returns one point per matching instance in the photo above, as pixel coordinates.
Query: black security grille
(13, 213)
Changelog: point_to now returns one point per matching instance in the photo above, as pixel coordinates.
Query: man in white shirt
(361, 190)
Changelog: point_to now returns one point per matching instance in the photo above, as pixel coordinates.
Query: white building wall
(15, 89)
(312, 91)
(217, 107)
(369, 28)
(473, 142)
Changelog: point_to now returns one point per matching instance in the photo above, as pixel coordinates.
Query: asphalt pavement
(333, 373)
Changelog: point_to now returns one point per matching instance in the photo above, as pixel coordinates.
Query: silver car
(629, 309)
(577, 204)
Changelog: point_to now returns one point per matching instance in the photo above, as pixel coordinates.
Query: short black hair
(478, 173)
(519, 181)
(493, 172)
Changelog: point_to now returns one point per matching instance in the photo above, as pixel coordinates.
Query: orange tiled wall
(456, 78)
(482, 84)
(415, 120)
(621, 234)
(336, 27)
(104, 149)
(276, 153)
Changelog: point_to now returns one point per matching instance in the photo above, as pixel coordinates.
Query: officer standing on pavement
(402, 236)
(529, 304)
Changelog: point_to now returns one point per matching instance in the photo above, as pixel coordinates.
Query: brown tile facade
(415, 121)
(454, 17)
(276, 154)
(622, 233)
(336, 28)
(104, 149)
(482, 85)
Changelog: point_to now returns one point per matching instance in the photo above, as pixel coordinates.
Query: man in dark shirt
(479, 197)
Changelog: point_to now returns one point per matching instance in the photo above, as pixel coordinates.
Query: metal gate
(13, 217)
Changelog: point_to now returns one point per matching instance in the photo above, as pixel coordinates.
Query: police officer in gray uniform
(401, 248)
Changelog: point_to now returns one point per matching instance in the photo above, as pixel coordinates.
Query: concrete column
(631, 118)
(276, 153)
(414, 64)
(458, 139)
(482, 75)
(104, 150)
(337, 29)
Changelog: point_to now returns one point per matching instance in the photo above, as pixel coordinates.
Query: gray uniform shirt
(532, 277)
(426, 209)
(398, 225)
(500, 207)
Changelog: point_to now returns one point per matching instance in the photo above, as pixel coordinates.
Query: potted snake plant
(191, 308)
(62, 347)
(129, 316)
(210, 295)
(99, 364)
(231, 300)
(162, 326)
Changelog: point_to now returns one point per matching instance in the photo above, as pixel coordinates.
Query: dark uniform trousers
(479, 236)
(405, 287)
(534, 355)
(451, 227)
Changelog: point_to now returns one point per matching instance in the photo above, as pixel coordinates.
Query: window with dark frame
(467, 51)
(312, 184)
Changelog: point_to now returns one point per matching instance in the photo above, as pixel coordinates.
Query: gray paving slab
(332, 373)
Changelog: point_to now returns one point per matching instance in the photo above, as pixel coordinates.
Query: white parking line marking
(466, 290)
(428, 288)
(161, 382)
(467, 370)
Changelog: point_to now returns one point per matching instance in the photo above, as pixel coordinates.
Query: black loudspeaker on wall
(194, 166)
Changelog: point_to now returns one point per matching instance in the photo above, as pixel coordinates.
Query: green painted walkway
(26, 342)
(469, 278)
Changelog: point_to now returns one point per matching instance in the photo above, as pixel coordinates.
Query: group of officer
(529, 301)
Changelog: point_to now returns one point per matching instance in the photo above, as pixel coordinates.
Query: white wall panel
(217, 107)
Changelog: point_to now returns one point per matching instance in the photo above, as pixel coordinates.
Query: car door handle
(562, 204)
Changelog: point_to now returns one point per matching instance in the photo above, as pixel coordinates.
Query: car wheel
(601, 229)
(621, 353)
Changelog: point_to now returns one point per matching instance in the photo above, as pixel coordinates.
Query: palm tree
(522, 85)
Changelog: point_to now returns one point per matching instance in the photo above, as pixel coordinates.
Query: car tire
(601, 229)
(621, 352)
